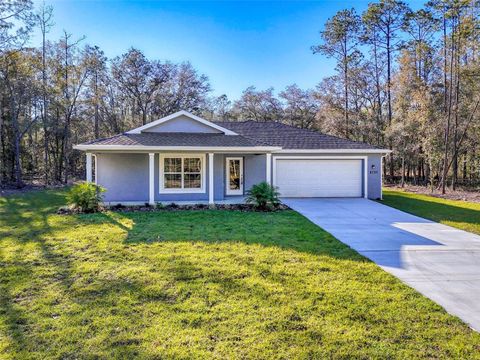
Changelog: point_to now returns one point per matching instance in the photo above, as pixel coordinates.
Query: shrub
(263, 196)
(86, 196)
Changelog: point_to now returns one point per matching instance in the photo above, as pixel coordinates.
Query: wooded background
(405, 80)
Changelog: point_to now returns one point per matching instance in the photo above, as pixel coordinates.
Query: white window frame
(203, 173)
(228, 191)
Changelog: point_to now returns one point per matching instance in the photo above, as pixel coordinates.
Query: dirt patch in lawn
(459, 194)
(12, 190)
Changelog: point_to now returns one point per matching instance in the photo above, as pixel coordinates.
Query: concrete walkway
(441, 262)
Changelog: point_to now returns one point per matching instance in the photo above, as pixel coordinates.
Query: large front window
(182, 173)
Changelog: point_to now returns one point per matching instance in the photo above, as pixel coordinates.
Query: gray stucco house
(183, 157)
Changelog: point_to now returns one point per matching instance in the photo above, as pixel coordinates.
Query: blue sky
(236, 44)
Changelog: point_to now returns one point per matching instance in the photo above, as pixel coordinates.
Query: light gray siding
(219, 176)
(255, 170)
(125, 176)
(183, 124)
(374, 173)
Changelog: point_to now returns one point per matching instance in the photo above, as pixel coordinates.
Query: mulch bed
(68, 210)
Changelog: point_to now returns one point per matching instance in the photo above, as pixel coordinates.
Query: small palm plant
(86, 196)
(263, 196)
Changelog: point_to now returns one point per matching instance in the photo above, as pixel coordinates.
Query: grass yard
(202, 284)
(460, 214)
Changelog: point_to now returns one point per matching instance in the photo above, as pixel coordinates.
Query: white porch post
(88, 167)
(211, 198)
(151, 178)
(268, 174)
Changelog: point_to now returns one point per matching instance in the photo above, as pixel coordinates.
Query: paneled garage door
(319, 178)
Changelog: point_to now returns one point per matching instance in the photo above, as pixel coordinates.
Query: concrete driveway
(441, 262)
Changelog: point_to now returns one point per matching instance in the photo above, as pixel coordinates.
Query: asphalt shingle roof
(290, 137)
(175, 139)
(250, 133)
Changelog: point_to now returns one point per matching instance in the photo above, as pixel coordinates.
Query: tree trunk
(389, 97)
(44, 109)
(97, 120)
(345, 80)
(402, 182)
(449, 114)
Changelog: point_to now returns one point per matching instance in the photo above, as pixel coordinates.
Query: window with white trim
(182, 173)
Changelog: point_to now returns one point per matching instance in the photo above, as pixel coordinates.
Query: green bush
(263, 196)
(86, 196)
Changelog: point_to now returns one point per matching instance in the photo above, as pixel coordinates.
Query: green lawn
(202, 284)
(460, 214)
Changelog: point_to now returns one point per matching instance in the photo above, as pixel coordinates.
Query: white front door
(234, 175)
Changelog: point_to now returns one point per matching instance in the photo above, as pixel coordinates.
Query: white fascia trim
(177, 114)
(174, 148)
(336, 151)
(338, 157)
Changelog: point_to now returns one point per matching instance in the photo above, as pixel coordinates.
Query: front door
(234, 176)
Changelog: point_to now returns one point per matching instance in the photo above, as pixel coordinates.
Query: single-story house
(183, 157)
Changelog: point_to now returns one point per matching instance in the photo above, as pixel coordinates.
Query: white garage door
(319, 178)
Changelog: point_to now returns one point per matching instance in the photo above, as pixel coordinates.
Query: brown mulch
(459, 194)
(68, 210)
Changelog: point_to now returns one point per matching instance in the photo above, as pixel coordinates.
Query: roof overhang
(140, 148)
(176, 115)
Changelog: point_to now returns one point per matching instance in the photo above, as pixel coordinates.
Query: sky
(236, 44)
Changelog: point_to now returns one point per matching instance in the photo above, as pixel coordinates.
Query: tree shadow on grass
(25, 220)
(113, 305)
(286, 230)
(26, 215)
(433, 210)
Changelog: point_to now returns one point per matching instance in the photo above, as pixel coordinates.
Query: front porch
(164, 177)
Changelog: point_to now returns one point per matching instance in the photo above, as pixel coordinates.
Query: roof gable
(181, 122)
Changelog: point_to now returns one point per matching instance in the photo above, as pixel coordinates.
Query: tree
(73, 72)
(258, 105)
(421, 27)
(387, 17)
(45, 21)
(300, 106)
(16, 22)
(330, 116)
(340, 41)
(96, 62)
(183, 89)
(222, 108)
(137, 78)
(20, 91)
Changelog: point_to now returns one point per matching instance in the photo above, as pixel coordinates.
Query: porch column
(268, 175)
(88, 167)
(151, 178)
(210, 179)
